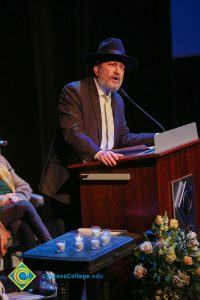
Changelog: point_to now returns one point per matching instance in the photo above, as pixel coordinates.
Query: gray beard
(107, 88)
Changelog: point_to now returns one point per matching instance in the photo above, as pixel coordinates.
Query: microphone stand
(123, 93)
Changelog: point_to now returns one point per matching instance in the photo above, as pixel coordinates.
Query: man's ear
(96, 70)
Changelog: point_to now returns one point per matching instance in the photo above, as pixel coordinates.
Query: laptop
(176, 137)
(173, 138)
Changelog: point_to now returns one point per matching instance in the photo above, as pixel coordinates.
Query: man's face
(110, 75)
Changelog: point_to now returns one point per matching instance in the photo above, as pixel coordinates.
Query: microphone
(124, 94)
(3, 143)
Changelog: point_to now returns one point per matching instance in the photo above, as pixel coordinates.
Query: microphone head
(122, 92)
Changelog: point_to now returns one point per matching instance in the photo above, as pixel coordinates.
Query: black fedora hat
(111, 49)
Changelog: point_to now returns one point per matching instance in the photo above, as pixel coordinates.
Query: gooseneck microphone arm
(124, 94)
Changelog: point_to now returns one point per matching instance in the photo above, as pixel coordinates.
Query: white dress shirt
(107, 141)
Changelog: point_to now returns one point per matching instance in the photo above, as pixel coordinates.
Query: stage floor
(28, 296)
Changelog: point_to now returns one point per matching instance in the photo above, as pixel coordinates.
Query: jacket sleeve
(23, 189)
(128, 139)
(72, 124)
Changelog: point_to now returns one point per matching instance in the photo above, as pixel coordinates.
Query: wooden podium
(130, 195)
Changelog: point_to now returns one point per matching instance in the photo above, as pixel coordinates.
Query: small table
(71, 263)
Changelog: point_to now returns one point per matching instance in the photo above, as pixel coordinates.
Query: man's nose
(117, 69)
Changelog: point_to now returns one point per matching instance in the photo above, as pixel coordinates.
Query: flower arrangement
(167, 264)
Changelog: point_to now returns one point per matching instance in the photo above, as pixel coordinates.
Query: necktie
(109, 122)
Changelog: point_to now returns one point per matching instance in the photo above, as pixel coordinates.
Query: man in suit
(91, 122)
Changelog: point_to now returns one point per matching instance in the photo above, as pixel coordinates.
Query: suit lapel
(115, 115)
(94, 97)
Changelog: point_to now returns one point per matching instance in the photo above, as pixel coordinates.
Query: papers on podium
(131, 150)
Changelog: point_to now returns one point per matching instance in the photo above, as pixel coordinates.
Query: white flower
(191, 235)
(139, 271)
(193, 244)
(146, 247)
(181, 279)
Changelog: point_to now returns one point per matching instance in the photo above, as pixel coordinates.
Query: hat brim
(94, 58)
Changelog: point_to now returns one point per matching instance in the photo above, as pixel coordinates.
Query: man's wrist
(97, 154)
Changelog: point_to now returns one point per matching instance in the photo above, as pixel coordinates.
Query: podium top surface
(133, 156)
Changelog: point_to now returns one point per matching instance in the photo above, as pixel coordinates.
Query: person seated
(19, 216)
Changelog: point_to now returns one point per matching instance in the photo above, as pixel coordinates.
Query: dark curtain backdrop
(42, 46)
(186, 91)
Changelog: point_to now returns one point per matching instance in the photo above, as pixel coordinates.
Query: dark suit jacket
(79, 134)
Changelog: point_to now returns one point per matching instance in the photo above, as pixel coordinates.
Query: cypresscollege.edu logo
(72, 276)
(22, 276)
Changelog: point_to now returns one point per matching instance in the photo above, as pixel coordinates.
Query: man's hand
(108, 157)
